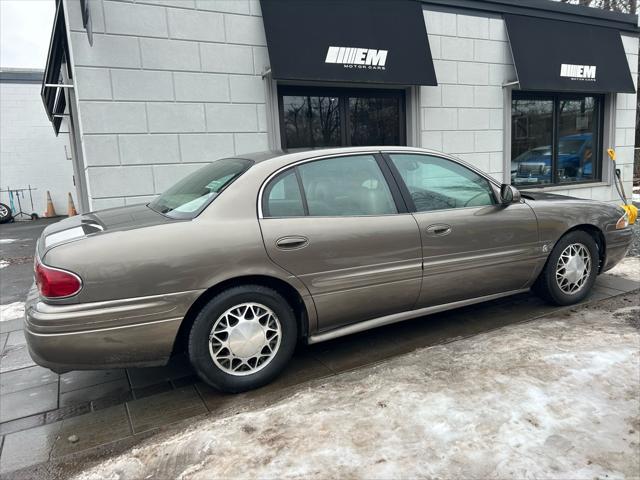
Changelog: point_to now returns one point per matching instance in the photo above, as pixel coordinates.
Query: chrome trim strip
(399, 317)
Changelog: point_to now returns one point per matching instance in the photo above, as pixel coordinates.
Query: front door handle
(439, 230)
(292, 242)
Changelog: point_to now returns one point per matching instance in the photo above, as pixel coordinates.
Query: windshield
(190, 195)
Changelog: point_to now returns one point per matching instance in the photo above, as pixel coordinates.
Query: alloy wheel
(244, 339)
(573, 268)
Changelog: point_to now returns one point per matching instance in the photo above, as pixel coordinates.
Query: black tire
(5, 213)
(547, 286)
(198, 346)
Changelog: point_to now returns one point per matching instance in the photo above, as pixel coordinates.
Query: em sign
(350, 57)
(583, 72)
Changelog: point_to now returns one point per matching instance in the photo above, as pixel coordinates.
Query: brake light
(56, 283)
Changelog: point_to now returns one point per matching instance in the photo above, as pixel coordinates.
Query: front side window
(436, 183)
(555, 139)
(192, 194)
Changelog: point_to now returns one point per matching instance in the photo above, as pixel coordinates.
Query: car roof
(303, 154)
(280, 159)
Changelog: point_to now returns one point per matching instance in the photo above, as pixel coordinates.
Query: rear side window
(333, 187)
(283, 197)
(346, 186)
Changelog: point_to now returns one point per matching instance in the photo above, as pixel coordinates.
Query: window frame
(494, 185)
(343, 94)
(396, 194)
(598, 141)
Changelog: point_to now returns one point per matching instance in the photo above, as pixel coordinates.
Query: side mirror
(509, 194)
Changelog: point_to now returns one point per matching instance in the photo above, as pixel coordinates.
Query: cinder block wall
(166, 86)
(464, 114)
(30, 152)
(626, 105)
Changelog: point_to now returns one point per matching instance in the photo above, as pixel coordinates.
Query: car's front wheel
(243, 338)
(570, 271)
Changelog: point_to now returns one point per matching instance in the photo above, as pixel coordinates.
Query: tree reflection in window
(374, 121)
(311, 121)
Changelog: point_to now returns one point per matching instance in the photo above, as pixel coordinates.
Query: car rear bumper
(112, 334)
(618, 243)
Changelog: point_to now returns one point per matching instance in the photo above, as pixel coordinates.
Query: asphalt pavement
(17, 247)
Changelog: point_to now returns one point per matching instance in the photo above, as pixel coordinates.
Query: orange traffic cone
(50, 212)
(71, 208)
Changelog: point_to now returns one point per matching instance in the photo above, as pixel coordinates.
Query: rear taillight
(56, 283)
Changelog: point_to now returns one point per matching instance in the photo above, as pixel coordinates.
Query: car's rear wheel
(570, 271)
(243, 338)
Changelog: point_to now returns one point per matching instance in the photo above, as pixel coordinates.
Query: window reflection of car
(532, 164)
(574, 161)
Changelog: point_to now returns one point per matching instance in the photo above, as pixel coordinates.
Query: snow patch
(628, 268)
(11, 311)
(3, 264)
(8, 240)
(553, 399)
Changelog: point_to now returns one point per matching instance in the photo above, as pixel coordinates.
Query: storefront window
(374, 121)
(577, 128)
(555, 139)
(531, 140)
(322, 117)
(311, 121)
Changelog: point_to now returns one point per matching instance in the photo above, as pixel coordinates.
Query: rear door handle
(438, 230)
(292, 242)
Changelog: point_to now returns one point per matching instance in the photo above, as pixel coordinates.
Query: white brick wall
(626, 104)
(167, 86)
(472, 60)
(30, 153)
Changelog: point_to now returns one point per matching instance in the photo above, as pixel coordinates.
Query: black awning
(53, 97)
(364, 41)
(554, 55)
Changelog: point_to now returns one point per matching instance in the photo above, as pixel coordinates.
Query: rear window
(187, 198)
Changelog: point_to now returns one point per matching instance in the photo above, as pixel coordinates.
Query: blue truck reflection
(575, 161)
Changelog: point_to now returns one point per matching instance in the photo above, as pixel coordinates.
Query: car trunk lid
(97, 223)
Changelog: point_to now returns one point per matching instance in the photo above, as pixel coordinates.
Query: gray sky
(25, 30)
